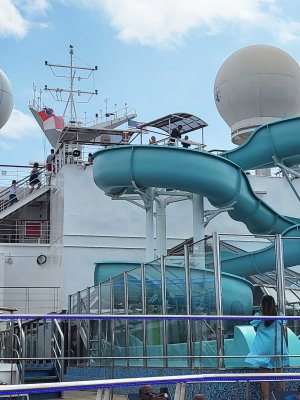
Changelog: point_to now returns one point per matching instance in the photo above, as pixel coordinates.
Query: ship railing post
(280, 281)
(99, 324)
(218, 299)
(190, 344)
(126, 310)
(144, 312)
(164, 310)
(88, 323)
(112, 324)
(280, 287)
(69, 326)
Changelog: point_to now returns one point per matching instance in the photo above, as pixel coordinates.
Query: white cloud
(11, 21)
(166, 23)
(19, 126)
(14, 16)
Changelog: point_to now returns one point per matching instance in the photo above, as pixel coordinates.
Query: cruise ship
(136, 260)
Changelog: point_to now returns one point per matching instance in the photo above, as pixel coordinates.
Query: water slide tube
(220, 178)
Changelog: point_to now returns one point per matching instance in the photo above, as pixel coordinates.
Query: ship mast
(72, 75)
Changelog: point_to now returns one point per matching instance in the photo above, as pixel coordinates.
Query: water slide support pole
(148, 201)
(161, 232)
(198, 223)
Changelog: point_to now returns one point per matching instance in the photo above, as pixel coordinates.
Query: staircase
(42, 372)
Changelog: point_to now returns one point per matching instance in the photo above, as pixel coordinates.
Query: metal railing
(25, 232)
(125, 360)
(23, 189)
(29, 299)
(57, 349)
(194, 289)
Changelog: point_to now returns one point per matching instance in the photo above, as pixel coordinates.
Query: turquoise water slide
(220, 178)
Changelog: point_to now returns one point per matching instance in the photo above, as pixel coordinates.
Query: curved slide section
(280, 139)
(117, 170)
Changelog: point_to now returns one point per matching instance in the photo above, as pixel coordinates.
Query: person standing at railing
(186, 143)
(152, 140)
(13, 193)
(90, 159)
(49, 161)
(175, 134)
(34, 177)
(269, 349)
(50, 165)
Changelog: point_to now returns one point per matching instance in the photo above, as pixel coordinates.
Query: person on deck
(34, 177)
(269, 349)
(13, 193)
(175, 134)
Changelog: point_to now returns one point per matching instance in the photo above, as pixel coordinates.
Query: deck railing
(23, 189)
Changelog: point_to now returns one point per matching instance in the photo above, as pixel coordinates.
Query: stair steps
(41, 373)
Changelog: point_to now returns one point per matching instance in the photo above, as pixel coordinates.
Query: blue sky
(158, 56)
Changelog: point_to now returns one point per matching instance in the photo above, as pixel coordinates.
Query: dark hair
(180, 126)
(268, 307)
(14, 181)
(36, 165)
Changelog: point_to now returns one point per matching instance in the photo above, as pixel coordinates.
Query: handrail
(104, 383)
(21, 190)
(150, 317)
(59, 361)
(19, 183)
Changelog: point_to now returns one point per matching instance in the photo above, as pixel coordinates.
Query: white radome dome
(256, 85)
(6, 99)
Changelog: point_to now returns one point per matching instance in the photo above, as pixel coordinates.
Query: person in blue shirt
(269, 342)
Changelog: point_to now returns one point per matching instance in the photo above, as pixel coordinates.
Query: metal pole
(126, 308)
(164, 309)
(144, 311)
(161, 231)
(88, 328)
(99, 322)
(218, 299)
(149, 225)
(280, 281)
(190, 345)
(112, 324)
(198, 229)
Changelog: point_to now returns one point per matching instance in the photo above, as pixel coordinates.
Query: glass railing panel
(118, 294)
(73, 304)
(105, 327)
(177, 331)
(202, 297)
(247, 273)
(136, 348)
(155, 331)
(153, 288)
(134, 281)
(94, 299)
(83, 305)
(105, 298)
(175, 285)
